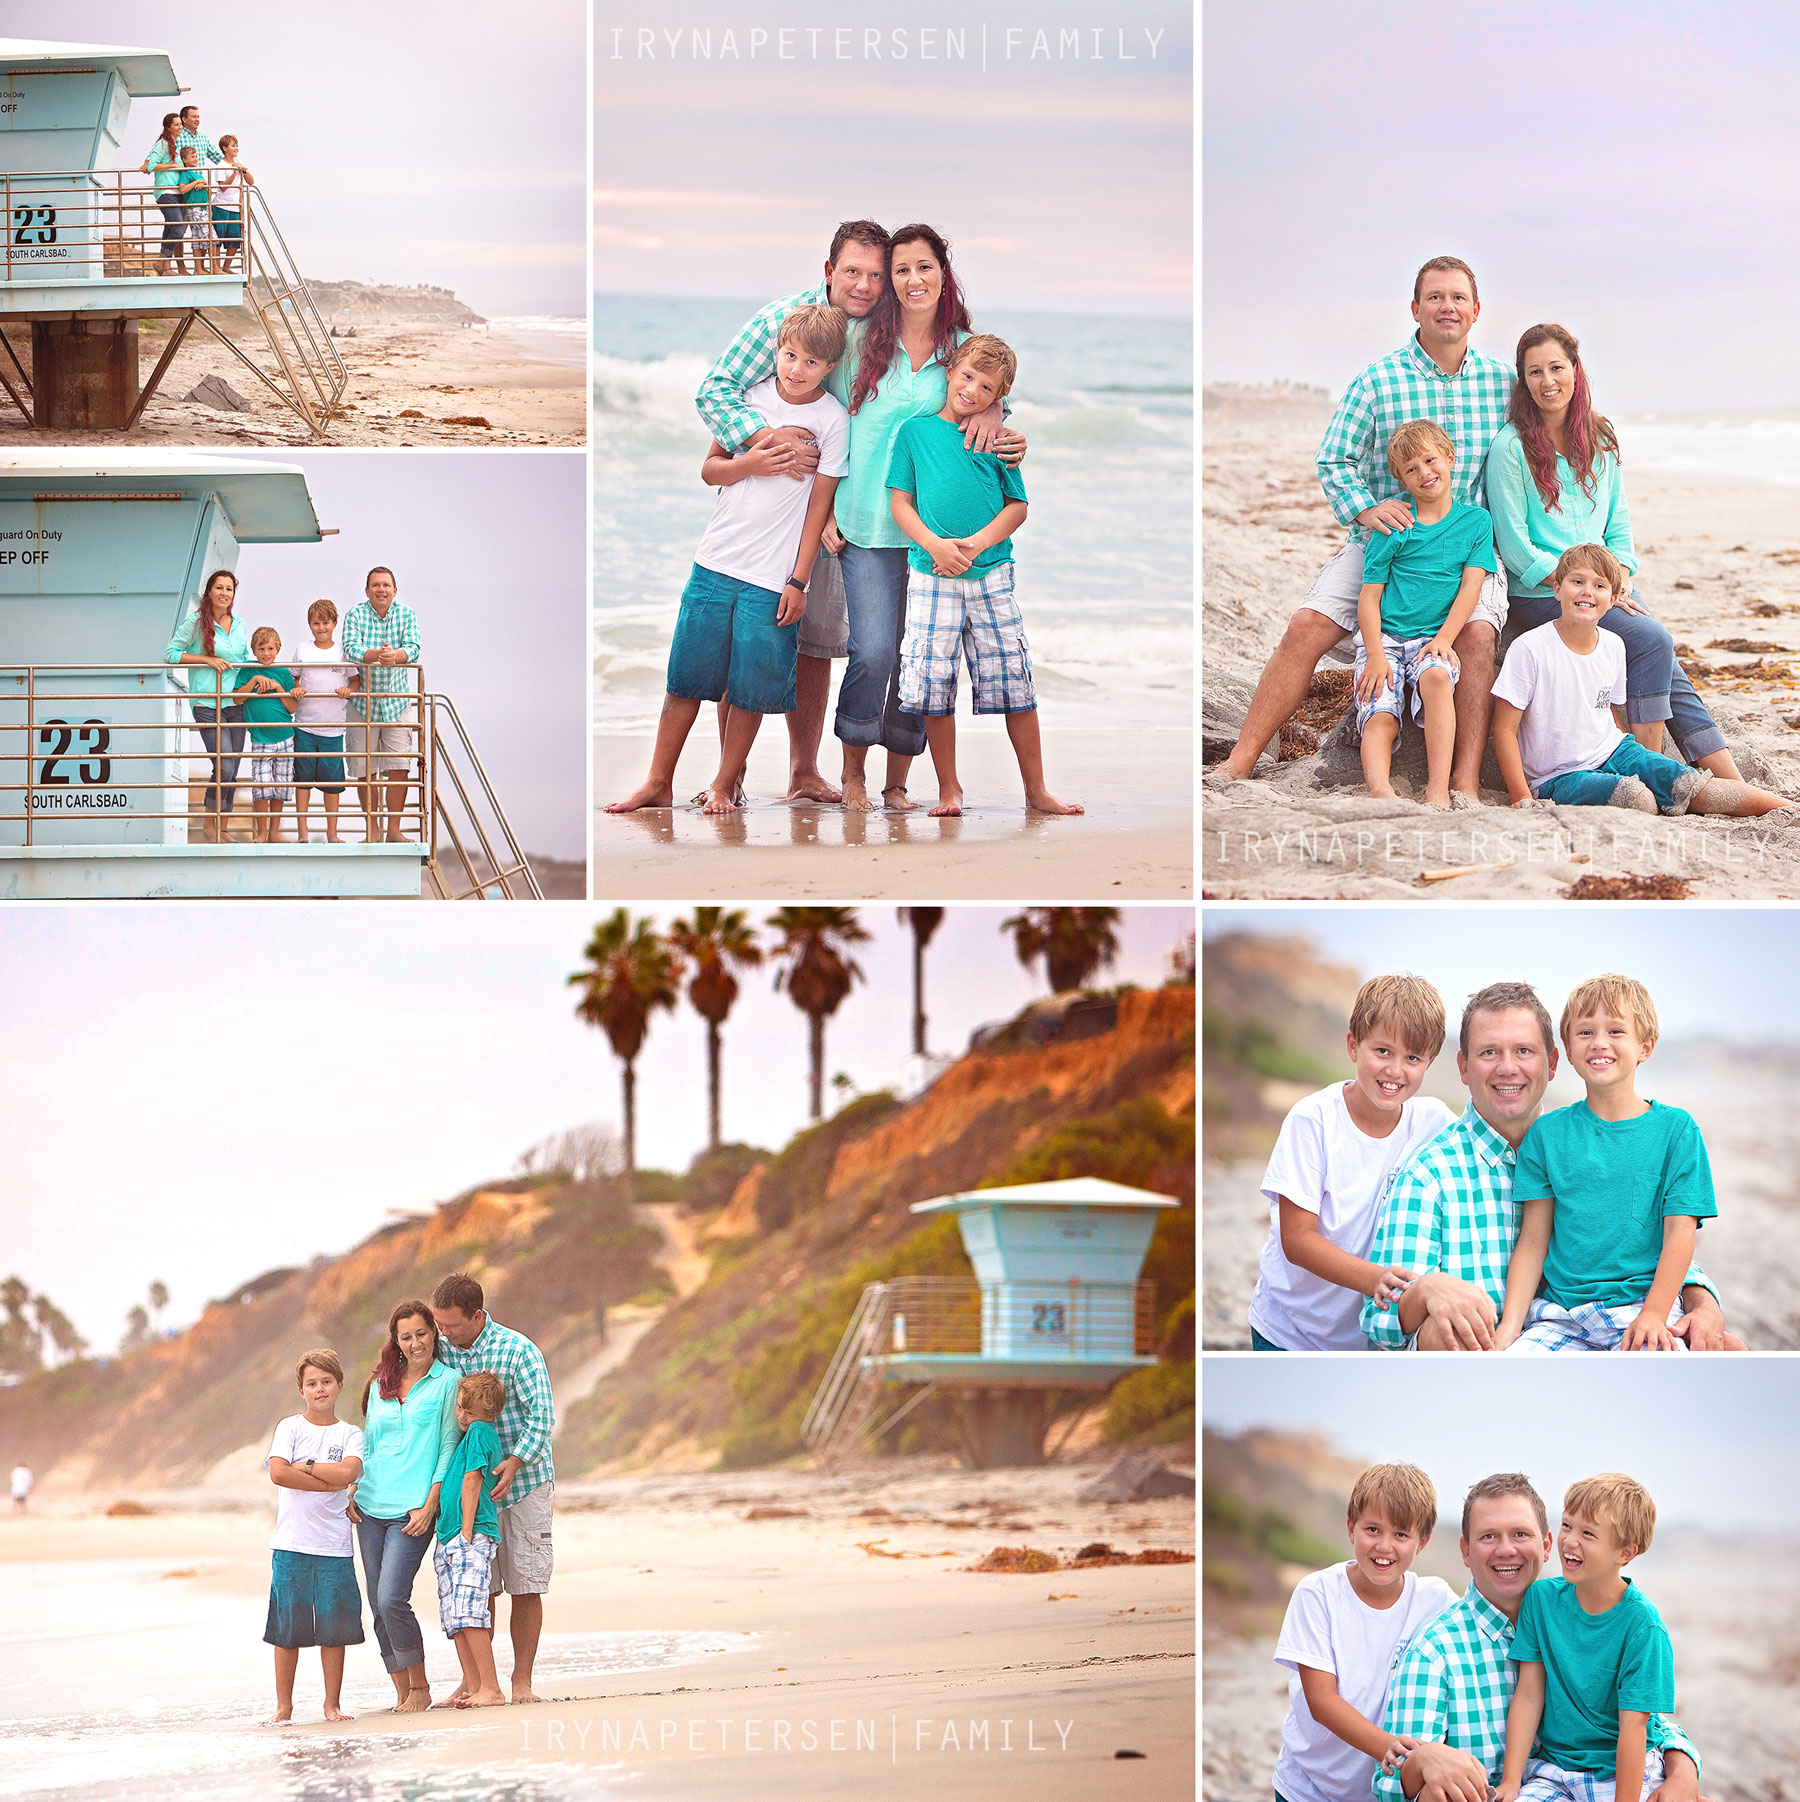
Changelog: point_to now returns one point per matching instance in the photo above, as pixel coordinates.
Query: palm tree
(819, 973)
(630, 973)
(924, 921)
(711, 942)
(1074, 942)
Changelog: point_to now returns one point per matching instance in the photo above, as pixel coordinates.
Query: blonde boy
(269, 713)
(228, 205)
(1345, 1629)
(1595, 1661)
(1611, 1192)
(1330, 1168)
(325, 679)
(1420, 586)
(468, 1536)
(313, 1461)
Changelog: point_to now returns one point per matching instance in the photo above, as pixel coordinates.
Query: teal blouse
(1531, 538)
(407, 1445)
(165, 170)
(232, 643)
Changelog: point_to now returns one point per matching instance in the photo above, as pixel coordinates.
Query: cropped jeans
(212, 725)
(868, 708)
(391, 1559)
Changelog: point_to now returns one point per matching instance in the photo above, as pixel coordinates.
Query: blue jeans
(1259, 1343)
(868, 708)
(391, 1560)
(174, 222)
(1656, 686)
(224, 769)
(1593, 788)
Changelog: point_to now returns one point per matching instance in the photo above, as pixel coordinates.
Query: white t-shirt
(755, 527)
(21, 1482)
(1567, 702)
(308, 1520)
(227, 187)
(1329, 1628)
(1324, 1162)
(316, 673)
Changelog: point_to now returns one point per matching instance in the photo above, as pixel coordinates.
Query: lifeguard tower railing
(79, 234)
(78, 765)
(921, 1317)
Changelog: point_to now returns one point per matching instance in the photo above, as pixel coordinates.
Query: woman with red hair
(1553, 482)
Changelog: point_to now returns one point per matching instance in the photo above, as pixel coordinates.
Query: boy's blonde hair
(483, 1394)
(1609, 994)
(819, 331)
(1590, 556)
(1402, 1492)
(992, 356)
(321, 610)
(1410, 1006)
(1623, 1504)
(262, 635)
(320, 1359)
(1415, 436)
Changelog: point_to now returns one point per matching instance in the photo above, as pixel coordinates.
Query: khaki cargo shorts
(522, 1565)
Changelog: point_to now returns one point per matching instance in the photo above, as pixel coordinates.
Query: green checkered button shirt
(1470, 405)
(388, 687)
(1453, 1685)
(529, 1416)
(1449, 1207)
(748, 359)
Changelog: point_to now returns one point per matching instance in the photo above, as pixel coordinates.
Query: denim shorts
(319, 760)
(1404, 664)
(728, 647)
(313, 1601)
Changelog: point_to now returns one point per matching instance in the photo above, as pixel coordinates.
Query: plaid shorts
(1547, 1782)
(272, 770)
(979, 615)
(464, 1575)
(1591, 1327)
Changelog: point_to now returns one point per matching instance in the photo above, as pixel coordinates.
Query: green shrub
(1147, 1398)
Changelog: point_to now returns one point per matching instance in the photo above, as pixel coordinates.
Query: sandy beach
(716, 1614)
(1719, 563)
(472, 372)
(1135, 841)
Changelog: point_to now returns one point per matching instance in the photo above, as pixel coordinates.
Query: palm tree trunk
(918, 995)
(817, 1024)
(630, 1132)
(712, 1082)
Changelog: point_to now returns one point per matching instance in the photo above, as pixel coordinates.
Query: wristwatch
(795, 582)
(309, 1466)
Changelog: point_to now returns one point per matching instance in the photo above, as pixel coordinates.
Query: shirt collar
(1422, 361)
(1489, 1145)
(1487, 1617)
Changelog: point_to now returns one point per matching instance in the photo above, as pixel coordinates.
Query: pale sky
(444, 144)
(1063, 181)
(431, 1046)
(1628, 168)
(1716, 1441)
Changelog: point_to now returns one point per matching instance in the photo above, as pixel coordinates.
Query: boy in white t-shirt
(738, 633)
(326, 679)
(1555, 736)
(313, 1461)
(1330, 1169)
(1344, 1631)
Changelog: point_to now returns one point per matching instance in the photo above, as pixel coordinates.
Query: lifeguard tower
(1057, 1303)
(101, 558)
(84, 252)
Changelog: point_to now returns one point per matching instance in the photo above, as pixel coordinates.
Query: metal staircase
(842, 1418)
(471, 818)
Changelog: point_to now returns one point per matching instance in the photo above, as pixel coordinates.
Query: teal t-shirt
(1613, 1181)
(270, 720)
(479, 1450)
(1422, 568)
(956, 491)
(1595, 1667)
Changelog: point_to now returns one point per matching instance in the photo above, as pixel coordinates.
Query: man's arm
(748, 359)
(1346, 450)
(1418, 1709)
(529, 1383)
(1408, 1237)
(1703, 1325)
(1681, 1762)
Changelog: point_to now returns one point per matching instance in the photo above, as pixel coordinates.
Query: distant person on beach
(1553, 482)
(737, 635)
(208, 643)
(409, 1436)
(382, 634)
(229, 187)
(1330, 1167)
(1344, 1628)
(21, 1488)
(960, 508)
(269, 714)
(524, 1485)
(326, 679)
(314, 1461)
(164, 167)
(468, 1539)
(1555, 737)
(1448, 1215)
(1434, 376)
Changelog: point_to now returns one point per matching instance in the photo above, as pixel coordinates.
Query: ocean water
(556, 337)
(1731, 450)
(1105, 560)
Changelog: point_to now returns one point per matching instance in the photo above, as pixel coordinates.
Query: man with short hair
(1435, 376)
(1448, 1216)
(524, 1488)
(190, 134)
(382, 634)
(1453, 1684)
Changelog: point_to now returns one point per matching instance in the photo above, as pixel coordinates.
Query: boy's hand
(1647, 1333)
(1386, 517)
(1504, 1335)
(1376, 676)
(1390, 1285)
(1445, 653)
(793, 606)
(1507, 1792)
(1398, 1747)
(1540, 801)
(343, 694)
(947, 557)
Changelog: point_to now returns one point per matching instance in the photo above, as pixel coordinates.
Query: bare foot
(334, 1713)
(809, 785)
(856, 795)
(713, 800)
(949, 804)
(901, 805)
(416, 1702)
(1463, 800)
(1384, 793)
(300, 838)
(331, 838)
(1045, 802)
(705, 795)
(522, 1696)
(455, 1699)
(280, 1718)
(652, 794)
(487, 1697)
(1440, 800)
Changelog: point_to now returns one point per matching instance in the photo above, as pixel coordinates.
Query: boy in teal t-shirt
(468, 1536)
(960, 508)
(1420, 586)
(1595, 1661)
(269, 713)
(1611, 1192)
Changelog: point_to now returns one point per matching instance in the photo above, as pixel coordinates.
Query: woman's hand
(831, 537)
(1628, 601)
(419, 1522)
(217, 665)
(1009, 447)
(351, 1512)
(1375, 677)
(1390, 1284)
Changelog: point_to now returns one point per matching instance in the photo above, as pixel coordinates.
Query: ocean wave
(661, 390)
(1758, 453)
(562, 324)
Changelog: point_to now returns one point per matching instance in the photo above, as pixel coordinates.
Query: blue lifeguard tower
(101, 558)
(1058, 1302)
(84, 256)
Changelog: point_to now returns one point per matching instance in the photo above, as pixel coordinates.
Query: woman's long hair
(170, 131)
(883, 335)
(385, 1377)
(205, 615)
(1590, 436)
